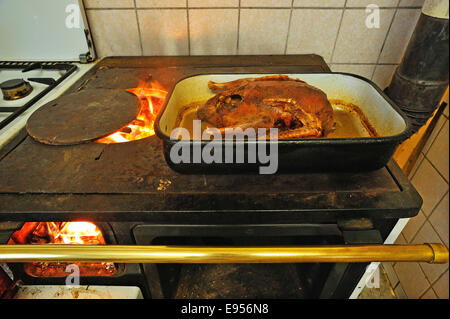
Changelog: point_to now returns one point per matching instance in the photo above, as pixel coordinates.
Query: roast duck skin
(296, 108)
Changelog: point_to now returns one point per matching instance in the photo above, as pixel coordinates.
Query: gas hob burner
(15, 89)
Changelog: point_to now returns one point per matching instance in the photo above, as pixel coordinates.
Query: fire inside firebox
(152, 96)
(81, 233)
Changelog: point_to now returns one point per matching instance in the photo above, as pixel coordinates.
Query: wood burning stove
(131, 194)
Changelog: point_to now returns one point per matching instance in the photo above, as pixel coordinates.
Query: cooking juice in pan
(350, 121)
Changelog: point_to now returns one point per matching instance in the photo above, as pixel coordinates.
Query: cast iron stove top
(132, 182)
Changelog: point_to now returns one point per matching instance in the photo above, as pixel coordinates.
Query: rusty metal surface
(315, 62)
(139, 167)
(83, 116)
(131, 181)
(236, 281)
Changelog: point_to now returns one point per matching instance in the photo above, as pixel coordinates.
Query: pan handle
(431, 253)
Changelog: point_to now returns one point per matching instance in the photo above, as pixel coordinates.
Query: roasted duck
(296, 108)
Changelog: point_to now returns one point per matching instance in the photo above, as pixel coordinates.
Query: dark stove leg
(153, 278)
(343, 277)
(153, 281)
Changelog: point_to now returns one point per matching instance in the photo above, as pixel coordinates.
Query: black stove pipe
(421, 79)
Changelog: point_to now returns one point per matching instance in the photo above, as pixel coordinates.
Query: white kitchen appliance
(46, 47)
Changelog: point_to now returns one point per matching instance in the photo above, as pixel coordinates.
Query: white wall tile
(160, 3)
(399, 292)
(430, 185)
(313, 31)
(416, 166)
(441, 286)
(213, 31)
(429, 295)
(266, 3)
(397, 40)
(115, 32)
(411, 3)
(439, 219)
(413, 226)
(262, 31)
(428, 235)
(412, 279)
(319, 3)
(108, 3)
(438, 153)
(358, 44)
(365, 3)
(383, 75)
(364, 70)
(401, 240)
(259, 35)
(164, 32)
(213, 3)
(439, 125)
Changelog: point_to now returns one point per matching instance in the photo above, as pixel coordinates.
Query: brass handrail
(431, 253)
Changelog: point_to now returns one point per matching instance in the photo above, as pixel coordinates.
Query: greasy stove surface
(131, 181)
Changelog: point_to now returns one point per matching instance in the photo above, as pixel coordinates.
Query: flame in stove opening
(152, 97)
(80, 233)
(62, 233)
(58, 233)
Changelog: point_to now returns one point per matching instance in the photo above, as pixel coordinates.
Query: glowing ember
(152, 97)
(62, 233)
(58, 233)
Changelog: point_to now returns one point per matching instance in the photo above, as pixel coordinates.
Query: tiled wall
(334, 29)
(430, 177)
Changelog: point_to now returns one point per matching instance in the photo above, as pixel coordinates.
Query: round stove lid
(83, 116)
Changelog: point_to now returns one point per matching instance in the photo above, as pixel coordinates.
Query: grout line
(431, 224)
(403, 292)
(289, 28)
(426, 290)
(256, 8)
(338, 32)
(438, 278)
(139, 29)
(398, 282)
(427, 220)
(425, 275)
(131, 8)
(188, 29)
(434, 209)
(385, 40)
(355, 63)
(431, 163)
(431, 283)
(434, 291)
(417, 167)
(434, 139)
(238, 28)
(418, 230)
